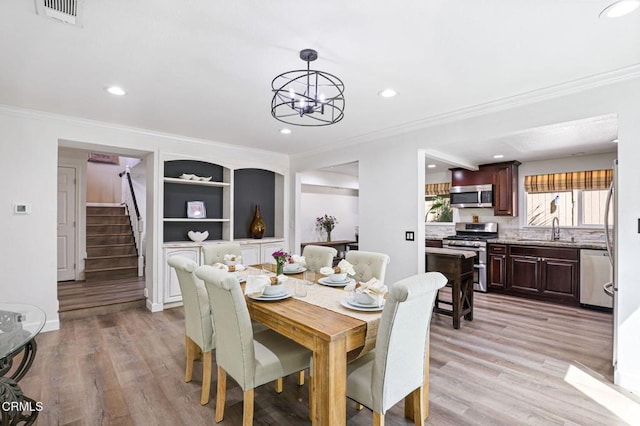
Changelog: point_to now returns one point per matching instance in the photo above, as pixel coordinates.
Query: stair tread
(111, 256)
(114, 268)
(103, 235)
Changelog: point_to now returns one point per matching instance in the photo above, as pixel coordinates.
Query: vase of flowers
(326, 224)
(281, 258)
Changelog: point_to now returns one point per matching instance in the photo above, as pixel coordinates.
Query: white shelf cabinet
(253, 253)
(172, 291)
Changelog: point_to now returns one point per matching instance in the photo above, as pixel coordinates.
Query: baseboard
(51, 325)
(630, 380)
(154, 307)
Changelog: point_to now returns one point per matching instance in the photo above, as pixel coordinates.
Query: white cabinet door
(171, 286)
(250, 254)
(267, 249)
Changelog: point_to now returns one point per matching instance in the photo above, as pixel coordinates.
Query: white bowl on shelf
(206, 179)
(186, 176)
(197, 236)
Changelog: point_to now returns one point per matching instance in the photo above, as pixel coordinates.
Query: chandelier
(307, 97)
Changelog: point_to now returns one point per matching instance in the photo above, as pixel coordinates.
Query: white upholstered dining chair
(214, 253)
(251, 359)
(368, 264)
(198, 325)
(317, 257)
(396, 367)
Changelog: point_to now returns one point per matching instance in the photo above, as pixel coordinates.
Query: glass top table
(19, 324)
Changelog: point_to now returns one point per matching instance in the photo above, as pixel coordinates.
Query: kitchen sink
(537, 240)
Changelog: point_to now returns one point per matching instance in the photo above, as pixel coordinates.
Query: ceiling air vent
(67, 11)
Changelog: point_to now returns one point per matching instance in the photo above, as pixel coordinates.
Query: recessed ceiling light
(619, 8)
(115, 90)
(498, 156)
(431, 166)
(285, 131)
(387, 93)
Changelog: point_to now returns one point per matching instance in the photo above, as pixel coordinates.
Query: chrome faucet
(555, 228)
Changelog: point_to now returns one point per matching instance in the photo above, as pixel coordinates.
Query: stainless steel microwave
(471, 196)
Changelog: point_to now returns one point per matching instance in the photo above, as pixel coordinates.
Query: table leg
(457, 302)
(469, 300)
(330, 382)
(22, 410)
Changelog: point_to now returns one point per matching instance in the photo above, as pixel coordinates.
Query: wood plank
(499, 369)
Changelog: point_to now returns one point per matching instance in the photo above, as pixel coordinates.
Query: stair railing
(137, 224)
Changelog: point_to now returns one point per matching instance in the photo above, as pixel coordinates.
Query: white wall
(390, 176)
(30, 141)
(316, 201)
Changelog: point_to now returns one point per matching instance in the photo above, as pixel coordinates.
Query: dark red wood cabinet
(543, 273)
(503, 177)
(497, 274)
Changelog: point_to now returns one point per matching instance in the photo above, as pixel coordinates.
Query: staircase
(111, 249)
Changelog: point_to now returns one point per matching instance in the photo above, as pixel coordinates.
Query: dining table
(332, 332)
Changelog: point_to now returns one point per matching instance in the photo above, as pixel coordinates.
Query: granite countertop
(597, 245)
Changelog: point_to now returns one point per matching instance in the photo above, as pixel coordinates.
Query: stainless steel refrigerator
(610, 233)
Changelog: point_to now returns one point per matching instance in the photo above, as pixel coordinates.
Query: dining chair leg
(378, 419)
(189, 357)
(279, 385)
(221, 394)
(359, 406)
(247, 408)
(207, 362)
(418, 412)
(300, 378)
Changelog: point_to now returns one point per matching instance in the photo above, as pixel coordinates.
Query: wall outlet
(409, 235)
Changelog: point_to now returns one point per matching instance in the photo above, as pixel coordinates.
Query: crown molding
(502, 104)
(66, 119)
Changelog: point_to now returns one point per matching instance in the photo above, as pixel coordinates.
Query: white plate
(284, 295)
(345, 302)
(326, 281)
(352, 302)
(297, 271)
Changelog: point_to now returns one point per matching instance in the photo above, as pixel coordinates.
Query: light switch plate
(21, 208)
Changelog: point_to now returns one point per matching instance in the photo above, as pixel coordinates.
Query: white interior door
(66, 223)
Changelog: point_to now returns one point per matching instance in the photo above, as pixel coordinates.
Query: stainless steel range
(473, 237)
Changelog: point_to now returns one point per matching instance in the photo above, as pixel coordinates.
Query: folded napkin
(232, 259)
(341, 268)
(374, 288)
(256, 284)
(298, 259)
(229, 268)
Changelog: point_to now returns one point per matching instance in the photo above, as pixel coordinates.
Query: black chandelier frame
(307, 97)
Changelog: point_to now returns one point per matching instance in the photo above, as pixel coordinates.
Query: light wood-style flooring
(519, 362)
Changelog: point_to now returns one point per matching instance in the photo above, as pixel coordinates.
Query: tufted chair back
(396, 367)
(368, 264)
(317, 257)
(198, 322)
(214, 253)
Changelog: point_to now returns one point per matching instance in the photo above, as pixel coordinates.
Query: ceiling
(203, 68)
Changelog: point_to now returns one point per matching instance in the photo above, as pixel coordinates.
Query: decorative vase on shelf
(257, 227)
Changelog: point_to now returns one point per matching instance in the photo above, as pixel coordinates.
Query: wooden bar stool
(457, 266)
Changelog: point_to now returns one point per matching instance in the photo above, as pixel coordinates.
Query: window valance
(555, 182)
(433, 189)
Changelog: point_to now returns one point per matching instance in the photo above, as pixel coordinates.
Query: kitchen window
(437, 206)
(576, 198)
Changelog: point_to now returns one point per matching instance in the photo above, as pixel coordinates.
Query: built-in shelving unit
(215, 194)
